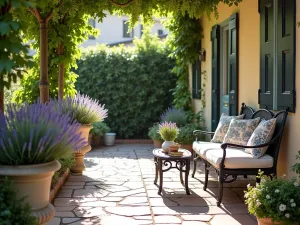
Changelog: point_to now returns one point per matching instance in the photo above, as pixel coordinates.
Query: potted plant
(174, 115)
(155, 136)
(32, 138)
(185, 137)
(168, 132)
(98, 131)
(274, 201)
(109, 138)
(85, 111)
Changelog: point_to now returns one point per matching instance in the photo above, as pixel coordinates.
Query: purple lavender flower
(80, 108)
(168, 131)
(32, 134)
(177, 116)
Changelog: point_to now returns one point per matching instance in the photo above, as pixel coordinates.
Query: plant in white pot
(84, 110)
(32, 138)
(168, 132)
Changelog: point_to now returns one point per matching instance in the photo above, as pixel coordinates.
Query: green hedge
(133, 83)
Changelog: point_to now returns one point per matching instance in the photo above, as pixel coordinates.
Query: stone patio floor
(117, 188)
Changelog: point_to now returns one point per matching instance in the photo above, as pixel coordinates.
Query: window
(92, 22)
(160, 32)
(141, 30)
(277, 54)
(127, 33)
(196, 76)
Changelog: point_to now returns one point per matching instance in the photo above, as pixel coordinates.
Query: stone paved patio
(117, 188)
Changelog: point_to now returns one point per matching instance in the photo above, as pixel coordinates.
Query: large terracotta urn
(157, 144)
(267, 221)
(79, 154)
(33, 182)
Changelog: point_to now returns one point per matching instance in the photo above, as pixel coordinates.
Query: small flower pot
(109, 139)
(267, 221)
(166, 145)
(33, 182)
(96, 140)
(157, 144)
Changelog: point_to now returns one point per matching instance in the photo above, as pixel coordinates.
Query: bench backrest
(266, 114)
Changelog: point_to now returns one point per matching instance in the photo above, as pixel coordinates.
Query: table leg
(160, 175)
(181, 178)
(156, 170)
(187, 168)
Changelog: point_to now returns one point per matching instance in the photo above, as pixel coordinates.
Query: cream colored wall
(249, 47)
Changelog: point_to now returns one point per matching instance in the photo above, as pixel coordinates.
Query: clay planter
(96, 140)
(157, 144)
(187, 147)
(79, 154)
(33, 181)
(267, 221)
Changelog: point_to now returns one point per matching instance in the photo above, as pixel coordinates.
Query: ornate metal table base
(164, 164)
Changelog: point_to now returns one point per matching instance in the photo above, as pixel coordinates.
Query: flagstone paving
(117, 188)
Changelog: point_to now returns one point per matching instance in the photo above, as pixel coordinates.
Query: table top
(158, 152)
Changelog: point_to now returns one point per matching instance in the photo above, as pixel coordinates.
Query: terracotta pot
(157, 144)
(90, 139)
(33, 181)
(267, 221)
(187, 147)
(166, 144)
(85, 130)
(96, 140)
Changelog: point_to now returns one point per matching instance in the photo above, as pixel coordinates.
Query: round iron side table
(163, 163)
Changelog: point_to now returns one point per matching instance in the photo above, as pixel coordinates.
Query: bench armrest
(199, 132)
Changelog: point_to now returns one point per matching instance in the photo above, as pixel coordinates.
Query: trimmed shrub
(133, 83)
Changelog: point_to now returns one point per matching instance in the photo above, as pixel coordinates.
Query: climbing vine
(187, 33)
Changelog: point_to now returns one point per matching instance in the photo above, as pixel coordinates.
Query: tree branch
(32, 11)
(122, 4)
(38, 14)
(49, 16)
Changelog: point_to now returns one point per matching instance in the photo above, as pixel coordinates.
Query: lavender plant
(32, 134)
(168, 131)
(174, 115)
(80, 108)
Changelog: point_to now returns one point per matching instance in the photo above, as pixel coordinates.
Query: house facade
(115, 29)
(252, 52)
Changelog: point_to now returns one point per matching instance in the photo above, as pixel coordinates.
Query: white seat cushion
(238, 159)
(201, 147)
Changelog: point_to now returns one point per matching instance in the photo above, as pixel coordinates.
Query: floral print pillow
(240, 131)
(261, 135)
(223, 127)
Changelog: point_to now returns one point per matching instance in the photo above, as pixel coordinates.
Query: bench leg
(195, 166)
(206, 170)
(221, 181)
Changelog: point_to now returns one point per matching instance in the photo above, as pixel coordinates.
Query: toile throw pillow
(240, 131)
(223, 127)
(261, 135)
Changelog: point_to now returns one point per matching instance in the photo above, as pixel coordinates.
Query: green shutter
(215, 72)
(286, 54)
(196, 76)
(233, 64)
(265, 93)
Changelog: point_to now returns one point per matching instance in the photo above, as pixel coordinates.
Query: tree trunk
(2, 99)
(44, 83)
(61, 73)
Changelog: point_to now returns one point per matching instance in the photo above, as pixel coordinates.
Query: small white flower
(248, 185)
(258, 203)
(246, 195)
(287, 215)
(296, 184)
(293, 204)
(254, 195)
(292, 200)
(268, 197)
(283, 175)
(282, 207)
(277, 191)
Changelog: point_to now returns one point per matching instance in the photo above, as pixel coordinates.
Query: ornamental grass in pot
(155, 136)
(168, 132)
(32, 138)
(274, 201)
(84, 110)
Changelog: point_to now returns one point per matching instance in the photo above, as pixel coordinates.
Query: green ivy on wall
(187, 33)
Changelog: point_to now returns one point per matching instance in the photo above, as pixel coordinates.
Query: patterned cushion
(223, 127)
(240, 131)
(261, 135)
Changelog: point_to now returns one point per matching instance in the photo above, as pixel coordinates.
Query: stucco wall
(249, 48)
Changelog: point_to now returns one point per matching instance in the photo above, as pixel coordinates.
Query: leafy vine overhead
(186, 35)
(13, 54)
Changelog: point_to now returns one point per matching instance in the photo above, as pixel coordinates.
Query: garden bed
(57, 185)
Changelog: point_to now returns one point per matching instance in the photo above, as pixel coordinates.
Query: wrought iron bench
(234, 166)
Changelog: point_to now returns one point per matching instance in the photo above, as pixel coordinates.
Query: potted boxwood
(98, 131)
(84, 110)
(274, 201)
(155, 136)
(32, 138)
